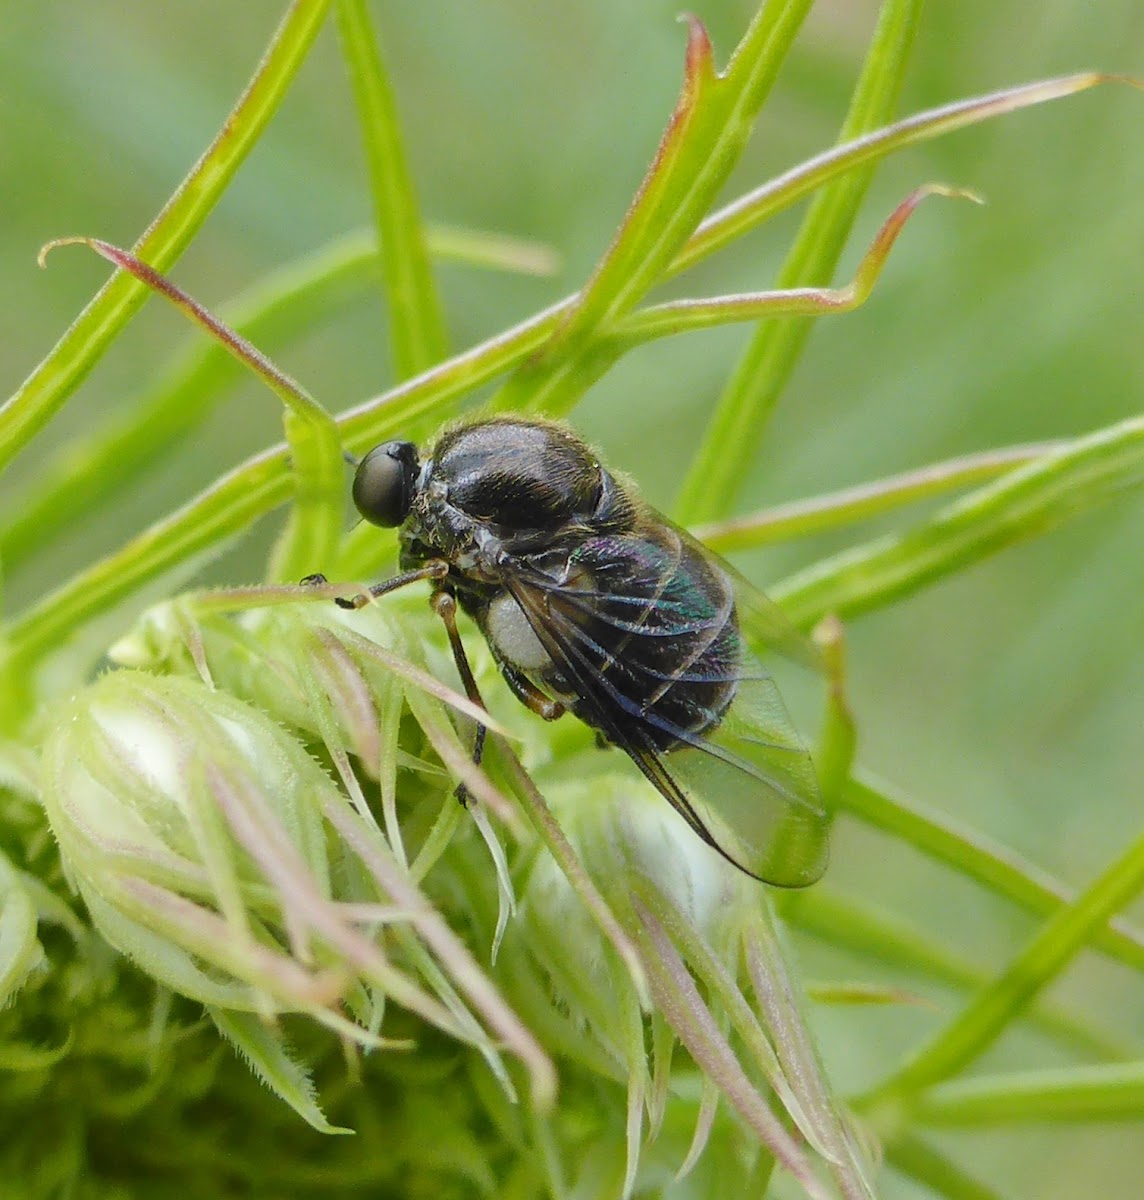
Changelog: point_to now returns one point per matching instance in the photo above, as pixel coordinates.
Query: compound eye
(383, 485)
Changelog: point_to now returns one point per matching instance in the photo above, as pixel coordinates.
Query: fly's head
(393, 488)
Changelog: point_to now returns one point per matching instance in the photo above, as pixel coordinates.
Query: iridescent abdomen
(655, 620)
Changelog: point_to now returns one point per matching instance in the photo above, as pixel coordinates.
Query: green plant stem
(853, 924)
(287, 304)
(314, 524)
(90, 469)
(73, 356)
(985, 1018)
(416, 316)
(752, 209)
(1109, 1092)
(684, 316)
(701, 145)
(918, 1160)
(848, 506)
(681, 316)
(976, 857)
(743, 411)
(1029, 500)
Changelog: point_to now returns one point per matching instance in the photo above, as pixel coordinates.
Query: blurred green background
(1010, 697)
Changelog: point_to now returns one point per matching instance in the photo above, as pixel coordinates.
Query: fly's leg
(444, 604)
(435, 569)
(530, 695)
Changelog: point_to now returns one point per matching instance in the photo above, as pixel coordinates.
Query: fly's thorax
(519, 475)
(435, 528)
(530, 483)
(476, 557)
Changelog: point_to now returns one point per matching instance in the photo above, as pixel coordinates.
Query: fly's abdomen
(657, 625)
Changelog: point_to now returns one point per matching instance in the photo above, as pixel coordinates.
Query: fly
(593, 603)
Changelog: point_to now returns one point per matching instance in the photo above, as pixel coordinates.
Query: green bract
(160, 792)
(215, 852)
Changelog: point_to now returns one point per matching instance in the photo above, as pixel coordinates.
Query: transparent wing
(646, 632)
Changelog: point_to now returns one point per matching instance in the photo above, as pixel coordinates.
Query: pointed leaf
(264, 1050)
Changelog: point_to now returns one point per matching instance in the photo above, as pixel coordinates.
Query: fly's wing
(645, 630)
(752, 784)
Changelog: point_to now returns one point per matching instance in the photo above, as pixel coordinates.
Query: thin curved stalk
(53, 381)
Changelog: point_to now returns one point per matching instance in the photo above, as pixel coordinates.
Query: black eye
(383, 485)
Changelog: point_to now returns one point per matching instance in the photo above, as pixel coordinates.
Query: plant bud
(622, 828)
(184, 817)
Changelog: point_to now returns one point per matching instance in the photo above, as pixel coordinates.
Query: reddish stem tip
(699, 51)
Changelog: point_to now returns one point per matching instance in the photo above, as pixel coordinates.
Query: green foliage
(557, 991)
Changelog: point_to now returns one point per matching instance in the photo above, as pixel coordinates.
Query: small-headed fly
(595, 604)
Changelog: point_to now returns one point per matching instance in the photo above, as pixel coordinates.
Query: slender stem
(703, 141)
(837, 510)
(1026, 501)
(288, 303)
(851, 923)
(417, 319)
(986, 1017)
(1108, 1092)
(976, 857)
(728, 224)
(53, 381)
(682, 316)
(314, 526)
(742, 413)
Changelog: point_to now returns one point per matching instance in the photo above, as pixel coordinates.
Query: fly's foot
(351, 602)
